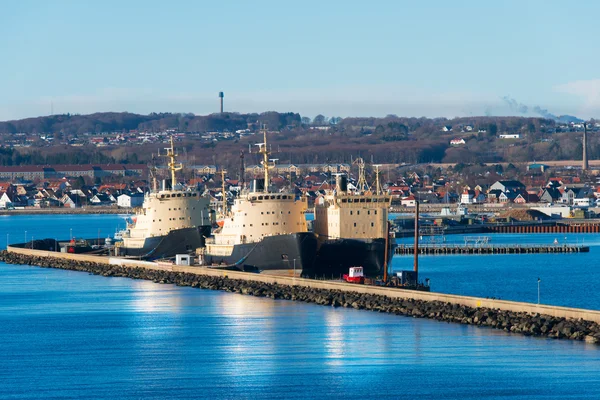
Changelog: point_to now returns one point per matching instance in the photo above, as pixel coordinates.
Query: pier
(459, 249)
(510, 316)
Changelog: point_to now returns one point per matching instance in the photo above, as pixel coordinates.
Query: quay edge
(516, 317)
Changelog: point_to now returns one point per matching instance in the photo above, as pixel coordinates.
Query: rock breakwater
(514, 322)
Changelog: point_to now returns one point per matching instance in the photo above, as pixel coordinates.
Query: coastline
(68, 211)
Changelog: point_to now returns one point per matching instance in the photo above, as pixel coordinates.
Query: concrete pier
(394, 293)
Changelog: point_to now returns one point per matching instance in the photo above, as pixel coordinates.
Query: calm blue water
(73, 335)
(566, 279)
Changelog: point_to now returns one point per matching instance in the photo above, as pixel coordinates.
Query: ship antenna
(223, 192)
(173, 166)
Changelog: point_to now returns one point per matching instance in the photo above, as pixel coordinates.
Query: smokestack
(221, 95)
(585, 166)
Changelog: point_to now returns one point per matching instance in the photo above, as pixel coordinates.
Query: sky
(337, 58)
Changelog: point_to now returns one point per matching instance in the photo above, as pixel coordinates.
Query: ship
(263, 231)
(171, 221)
(352, 229)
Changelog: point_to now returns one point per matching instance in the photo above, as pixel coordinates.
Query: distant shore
(50, 211)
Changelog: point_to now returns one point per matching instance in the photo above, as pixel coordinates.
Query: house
(467, 197)
(447, 128)
(508, 186)
(507, 197)
(130, 200)
(72, 200)
(550, 195)
(570, 194)
(537, 167)
(5, 200)
(457, 142)
(510, 136)
(409, 201)
(101, 199)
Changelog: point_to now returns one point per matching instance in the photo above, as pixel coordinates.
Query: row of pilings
(508, 321)
(544, 228)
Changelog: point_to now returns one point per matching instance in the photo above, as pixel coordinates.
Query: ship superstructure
(352, 228)
(263, 231)
(171, 220)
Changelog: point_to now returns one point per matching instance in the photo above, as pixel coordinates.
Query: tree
(320, 120)
(79, 183)
(305, 121)
(492, 129)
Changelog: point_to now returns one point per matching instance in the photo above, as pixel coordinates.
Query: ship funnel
(164, 184)
(258, 185)
(341, 183)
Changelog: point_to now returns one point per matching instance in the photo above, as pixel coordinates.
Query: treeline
(154, 122)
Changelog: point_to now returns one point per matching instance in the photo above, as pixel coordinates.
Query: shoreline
(67, 211)
(523, 323)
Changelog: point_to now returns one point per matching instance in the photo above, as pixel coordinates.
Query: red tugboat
(355, 275)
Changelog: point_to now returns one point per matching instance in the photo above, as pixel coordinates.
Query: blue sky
(338, 58)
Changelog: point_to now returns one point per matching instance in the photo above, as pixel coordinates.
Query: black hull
(336, 256)
(272, 253)
(180, 241)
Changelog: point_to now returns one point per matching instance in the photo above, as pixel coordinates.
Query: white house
(5, 201)
(510, 136)
(457, 142)
(467, 197)
(130, 200)
(408, 201)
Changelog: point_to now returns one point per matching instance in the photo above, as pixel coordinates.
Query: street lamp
(25, 236)
(71, 233)
(7, 240)
(539, 280)
(294, 267)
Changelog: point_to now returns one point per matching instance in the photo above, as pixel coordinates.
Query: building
(37, 172)
(510, 136)
(130, 200)
(508, 186)
(457, 142)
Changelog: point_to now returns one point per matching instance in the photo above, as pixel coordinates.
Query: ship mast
(224, 207)
(173, 166)
(377, 185)
(264, 150)
(361, 185)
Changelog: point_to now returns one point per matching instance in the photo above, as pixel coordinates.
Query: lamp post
(294, 267)
(539, 280)
(25, 236)
(70, 233)
(7, 235)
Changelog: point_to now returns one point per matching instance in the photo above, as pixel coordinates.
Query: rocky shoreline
(515, 322)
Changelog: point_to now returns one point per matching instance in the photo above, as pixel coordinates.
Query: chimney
(221, 95)
(585, 165)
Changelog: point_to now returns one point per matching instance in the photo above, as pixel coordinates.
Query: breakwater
(489, 249)
(509, 321)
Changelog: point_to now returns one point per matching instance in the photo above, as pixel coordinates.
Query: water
(67, 334)
(571, 280)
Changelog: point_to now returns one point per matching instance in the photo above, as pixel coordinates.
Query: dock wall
(468, 301)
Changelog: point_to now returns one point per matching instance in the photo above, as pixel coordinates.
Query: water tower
(221, 95)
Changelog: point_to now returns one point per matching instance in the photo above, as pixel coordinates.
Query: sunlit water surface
(67, 334)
